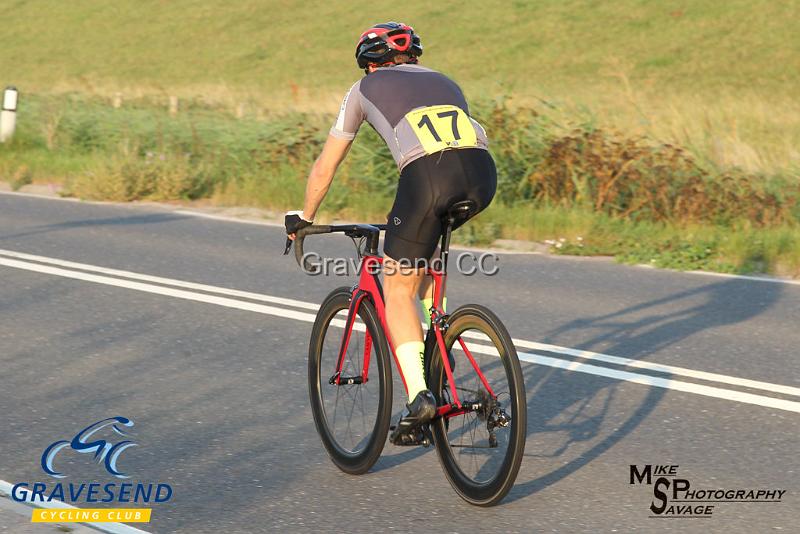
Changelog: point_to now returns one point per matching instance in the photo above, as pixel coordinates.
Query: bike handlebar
(300, 236)
(351, 230)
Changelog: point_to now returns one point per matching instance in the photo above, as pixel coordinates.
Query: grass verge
(583, 189)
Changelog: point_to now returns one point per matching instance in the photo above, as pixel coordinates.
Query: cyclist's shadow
(573, 418)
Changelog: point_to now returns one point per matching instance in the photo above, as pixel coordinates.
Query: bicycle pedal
(409, 436)
(411, 439)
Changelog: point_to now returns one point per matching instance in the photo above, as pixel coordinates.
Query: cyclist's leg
(400, 287)
(400, 290)
(463, 175)
(411, 237)
(428, 187)
(426, 287)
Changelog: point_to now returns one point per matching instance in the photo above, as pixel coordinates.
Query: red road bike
(480, 424)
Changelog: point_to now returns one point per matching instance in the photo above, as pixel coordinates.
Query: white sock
(410, 355)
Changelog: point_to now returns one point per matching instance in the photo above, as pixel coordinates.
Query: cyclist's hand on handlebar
(293, 221)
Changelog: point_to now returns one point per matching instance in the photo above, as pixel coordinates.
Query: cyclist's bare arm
(321, 175)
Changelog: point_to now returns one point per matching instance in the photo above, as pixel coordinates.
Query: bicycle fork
(352, 313)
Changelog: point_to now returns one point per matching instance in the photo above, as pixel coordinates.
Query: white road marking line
(523, 343)
(666, 383)
(159, 290)
(677, 385)
(111, 528)
(650, 366)
(160, 280)
(746, 277)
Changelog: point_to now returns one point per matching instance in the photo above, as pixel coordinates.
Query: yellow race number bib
(441, 127)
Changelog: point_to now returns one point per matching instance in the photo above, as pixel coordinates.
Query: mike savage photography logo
(106, 440)
(675, 497)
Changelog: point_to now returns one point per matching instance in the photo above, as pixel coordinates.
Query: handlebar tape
(298, 244)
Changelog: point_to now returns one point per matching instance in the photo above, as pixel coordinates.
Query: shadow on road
(150, 218)
(566, 412)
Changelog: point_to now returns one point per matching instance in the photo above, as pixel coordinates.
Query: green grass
(526, 46)
(743, 249)
(578, 79)
(718, 76)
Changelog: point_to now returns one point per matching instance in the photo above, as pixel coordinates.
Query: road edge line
(111, 528)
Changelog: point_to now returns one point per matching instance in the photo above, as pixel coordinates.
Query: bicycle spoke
(477, 449)
(351, 408)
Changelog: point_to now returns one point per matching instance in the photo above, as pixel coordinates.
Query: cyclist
(442, 156)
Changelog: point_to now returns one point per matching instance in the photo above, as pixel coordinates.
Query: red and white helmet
(381, 43)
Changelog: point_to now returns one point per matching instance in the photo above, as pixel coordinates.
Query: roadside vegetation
(671, 140)
(583, 189)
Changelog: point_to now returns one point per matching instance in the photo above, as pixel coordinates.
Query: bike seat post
(445, 249)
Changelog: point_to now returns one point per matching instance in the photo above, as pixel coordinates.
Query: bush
(630, 179)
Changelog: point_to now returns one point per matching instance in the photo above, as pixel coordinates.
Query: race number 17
(441, 127)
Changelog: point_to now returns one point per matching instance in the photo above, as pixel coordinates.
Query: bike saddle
(462, 210)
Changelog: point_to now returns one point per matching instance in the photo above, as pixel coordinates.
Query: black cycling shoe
(418, 412)
(422, 408)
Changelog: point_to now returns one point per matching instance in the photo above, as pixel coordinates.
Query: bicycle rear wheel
(352, 419)
(480, 449)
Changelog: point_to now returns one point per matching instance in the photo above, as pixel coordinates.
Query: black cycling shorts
(428, 187)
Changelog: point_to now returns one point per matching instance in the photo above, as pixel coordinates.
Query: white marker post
(8, 116)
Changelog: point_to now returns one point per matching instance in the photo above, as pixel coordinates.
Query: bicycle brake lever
(288, 246)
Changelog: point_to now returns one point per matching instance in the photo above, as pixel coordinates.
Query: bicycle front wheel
(352, 416)
(480, 447)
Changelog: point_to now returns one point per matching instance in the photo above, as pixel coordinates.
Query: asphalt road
(218, 392)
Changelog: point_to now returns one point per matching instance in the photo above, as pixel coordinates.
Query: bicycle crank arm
(346, 380)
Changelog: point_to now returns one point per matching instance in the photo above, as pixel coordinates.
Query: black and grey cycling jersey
(417, 111)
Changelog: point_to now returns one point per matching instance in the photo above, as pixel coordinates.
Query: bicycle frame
(369, 286)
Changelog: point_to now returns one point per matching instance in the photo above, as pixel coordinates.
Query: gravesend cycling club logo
(676, 497)
(106, 440)
(104, 451)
